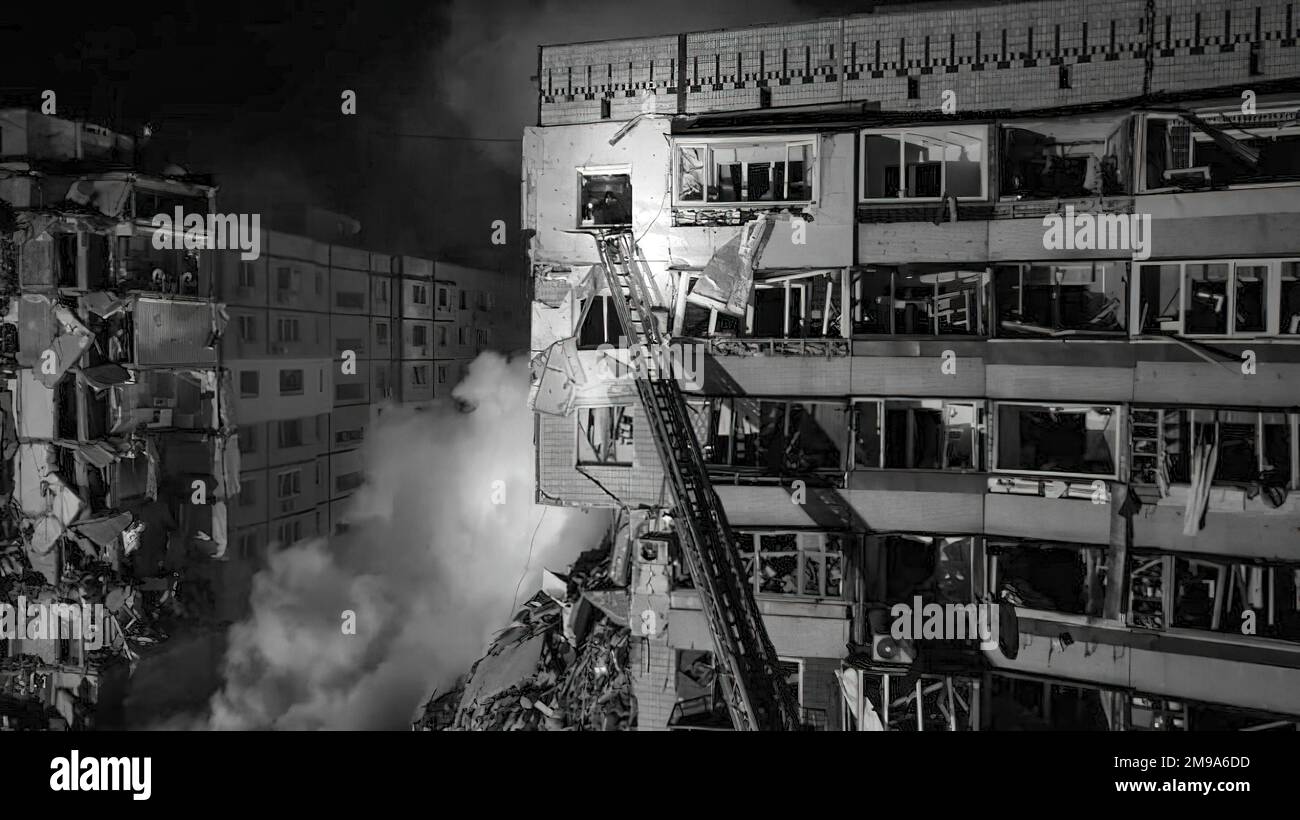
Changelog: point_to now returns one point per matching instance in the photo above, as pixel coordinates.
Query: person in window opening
(610, 211)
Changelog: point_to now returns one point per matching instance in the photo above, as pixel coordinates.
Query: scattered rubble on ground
(561, 665)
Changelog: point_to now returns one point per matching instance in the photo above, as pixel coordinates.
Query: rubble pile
(561, 665)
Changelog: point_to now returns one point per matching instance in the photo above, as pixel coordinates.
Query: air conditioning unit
(279, 348)
(885, 649)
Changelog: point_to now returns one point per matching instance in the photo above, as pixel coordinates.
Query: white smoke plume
(429, 565)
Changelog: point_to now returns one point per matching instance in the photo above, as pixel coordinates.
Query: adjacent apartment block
(117, 464)
(322, 337)
(996, 303)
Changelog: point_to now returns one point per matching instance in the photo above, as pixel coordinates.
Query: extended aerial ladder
(757, 697)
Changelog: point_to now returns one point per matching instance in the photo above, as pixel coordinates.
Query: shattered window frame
(800, 302)
(750, 433)
(818, 556)
(1231, 589)
(890, 287)
(1165, 435)
(1054, 276)
(616, 428)
(882, 438)
(702, 171)
(1278, 309)
(589, 321)
(1091, 557)
(1111, 435)
(1103, 142)
(916, 136)
(1181, 152)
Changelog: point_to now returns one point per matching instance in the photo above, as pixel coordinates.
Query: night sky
(250, 92)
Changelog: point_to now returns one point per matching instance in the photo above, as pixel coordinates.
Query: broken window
(924, 163)
(777, 309)
(1059, 439)
(1038, 299)
(1073, 157)
(1214, 595)
(1053, 577)
(1031, 704)
(1160, 308)
(1227, 147)
(782, 306)
(606, 200)
(930, 300)
(774, 437)
(605, 435)
(768, 169)
(1254, 448)
(1221, 298)
(599, 324)
(807, 564)
(1220, 596)
(921, 434)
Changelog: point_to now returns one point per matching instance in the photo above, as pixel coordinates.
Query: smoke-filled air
(429, 565)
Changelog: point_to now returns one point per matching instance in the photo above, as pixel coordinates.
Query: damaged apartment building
(118, 451)
(903, 385)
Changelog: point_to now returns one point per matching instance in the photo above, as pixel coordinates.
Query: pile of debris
(561, 665)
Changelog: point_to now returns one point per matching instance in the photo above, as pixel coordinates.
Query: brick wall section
(557, 478)
(821, 690)
(653, 682)
(1004, 56)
